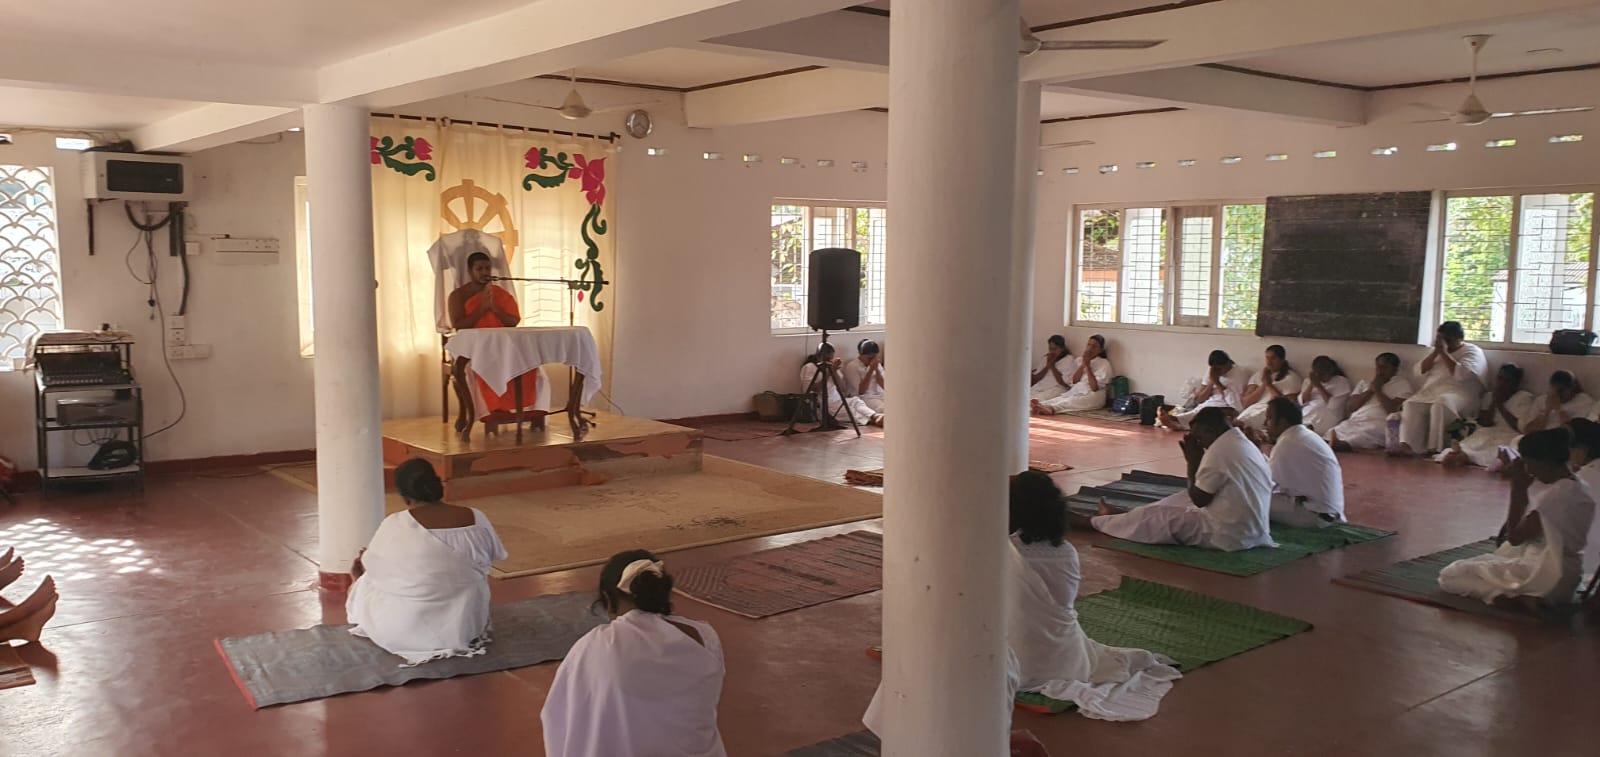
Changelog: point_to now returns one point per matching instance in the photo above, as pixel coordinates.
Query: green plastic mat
(1417, 579)
(1293, 544)
(1193, 629)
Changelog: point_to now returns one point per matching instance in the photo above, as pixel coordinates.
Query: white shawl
(419, 598)
(1549, 567)
(640, 687)
(1058, 660)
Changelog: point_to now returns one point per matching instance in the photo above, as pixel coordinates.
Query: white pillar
(1020, 335)
(345, 318)
(952, 133)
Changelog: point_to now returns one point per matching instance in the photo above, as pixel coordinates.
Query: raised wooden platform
(616, 446)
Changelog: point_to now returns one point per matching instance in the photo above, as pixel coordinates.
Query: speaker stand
(825, 375)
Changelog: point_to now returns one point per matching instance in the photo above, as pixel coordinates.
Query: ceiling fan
(1472, 112)
(1032, 44)
(573, 107)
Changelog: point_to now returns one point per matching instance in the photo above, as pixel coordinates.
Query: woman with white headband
(646, 684)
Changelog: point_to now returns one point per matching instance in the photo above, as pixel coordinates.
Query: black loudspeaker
(833, 299)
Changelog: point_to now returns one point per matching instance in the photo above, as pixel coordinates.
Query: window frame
(1171, 292)
(302, 239)
(805, 278)
(1440, 250)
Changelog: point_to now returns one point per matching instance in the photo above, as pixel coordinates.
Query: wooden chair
(469, 206)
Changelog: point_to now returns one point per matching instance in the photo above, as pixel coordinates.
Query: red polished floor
(148, 582)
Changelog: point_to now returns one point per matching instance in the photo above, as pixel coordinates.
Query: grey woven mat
(281, 667)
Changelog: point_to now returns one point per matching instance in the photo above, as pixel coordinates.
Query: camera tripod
(825, 376)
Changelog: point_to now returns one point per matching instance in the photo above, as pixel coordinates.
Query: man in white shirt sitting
(1225, 506)
(1307, 484)
(1452, 380)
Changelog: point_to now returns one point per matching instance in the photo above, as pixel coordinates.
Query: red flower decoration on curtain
(422, 149)
(376, 158)
(534, 158)
(593, 174)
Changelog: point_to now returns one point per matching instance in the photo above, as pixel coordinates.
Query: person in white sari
(1540, 557)
(1222, 386)
(1275, 380)
(1563, 402)
(1370, 406)
(1307, 482)
(1049, 381)
(1453, 375)
(863, 377)
(1086, 388)
(1325, 394)
(1585, 464)
(829, 401)
(1226, 505)
(1054, 656)
(1504, 411)
(646, 684)
(421, 589)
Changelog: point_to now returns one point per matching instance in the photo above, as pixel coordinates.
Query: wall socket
(177, 330)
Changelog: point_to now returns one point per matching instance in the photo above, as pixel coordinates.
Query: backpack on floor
(1118, 390)
(1127, 404)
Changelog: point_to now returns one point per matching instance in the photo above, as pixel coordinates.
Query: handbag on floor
(772, 406)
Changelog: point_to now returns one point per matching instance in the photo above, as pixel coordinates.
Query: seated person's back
(647, 683)
(1308, 484)
(421, 589)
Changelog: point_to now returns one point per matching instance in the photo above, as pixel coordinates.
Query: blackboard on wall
(1344, 266)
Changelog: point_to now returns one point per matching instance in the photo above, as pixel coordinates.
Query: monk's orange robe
(501, 405)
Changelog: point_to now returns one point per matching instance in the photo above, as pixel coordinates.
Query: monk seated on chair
(479, 304)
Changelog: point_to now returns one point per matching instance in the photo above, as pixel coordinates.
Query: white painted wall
(254, 393)
(691, 293)
(1158, 360)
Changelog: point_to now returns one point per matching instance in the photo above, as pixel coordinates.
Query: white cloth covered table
(500, 355)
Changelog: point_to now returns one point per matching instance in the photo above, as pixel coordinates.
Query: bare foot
(41, 596)
(1105, 509)
(876, 420)
(10, 570)
(1401, 450)
(29, 627)
(1046, 409)
(1169, 420)
(1455, 458)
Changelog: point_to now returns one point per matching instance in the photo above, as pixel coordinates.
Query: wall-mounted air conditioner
(132, 176)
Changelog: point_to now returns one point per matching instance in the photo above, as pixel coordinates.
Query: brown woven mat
(778, 580)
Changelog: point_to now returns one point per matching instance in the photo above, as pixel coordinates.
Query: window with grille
(1517, 267)
(1181, 265)
(30, 260)
(798, 227)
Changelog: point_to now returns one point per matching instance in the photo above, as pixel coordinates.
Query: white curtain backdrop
(480, 179)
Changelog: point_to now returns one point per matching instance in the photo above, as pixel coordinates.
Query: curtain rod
(612, 137)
